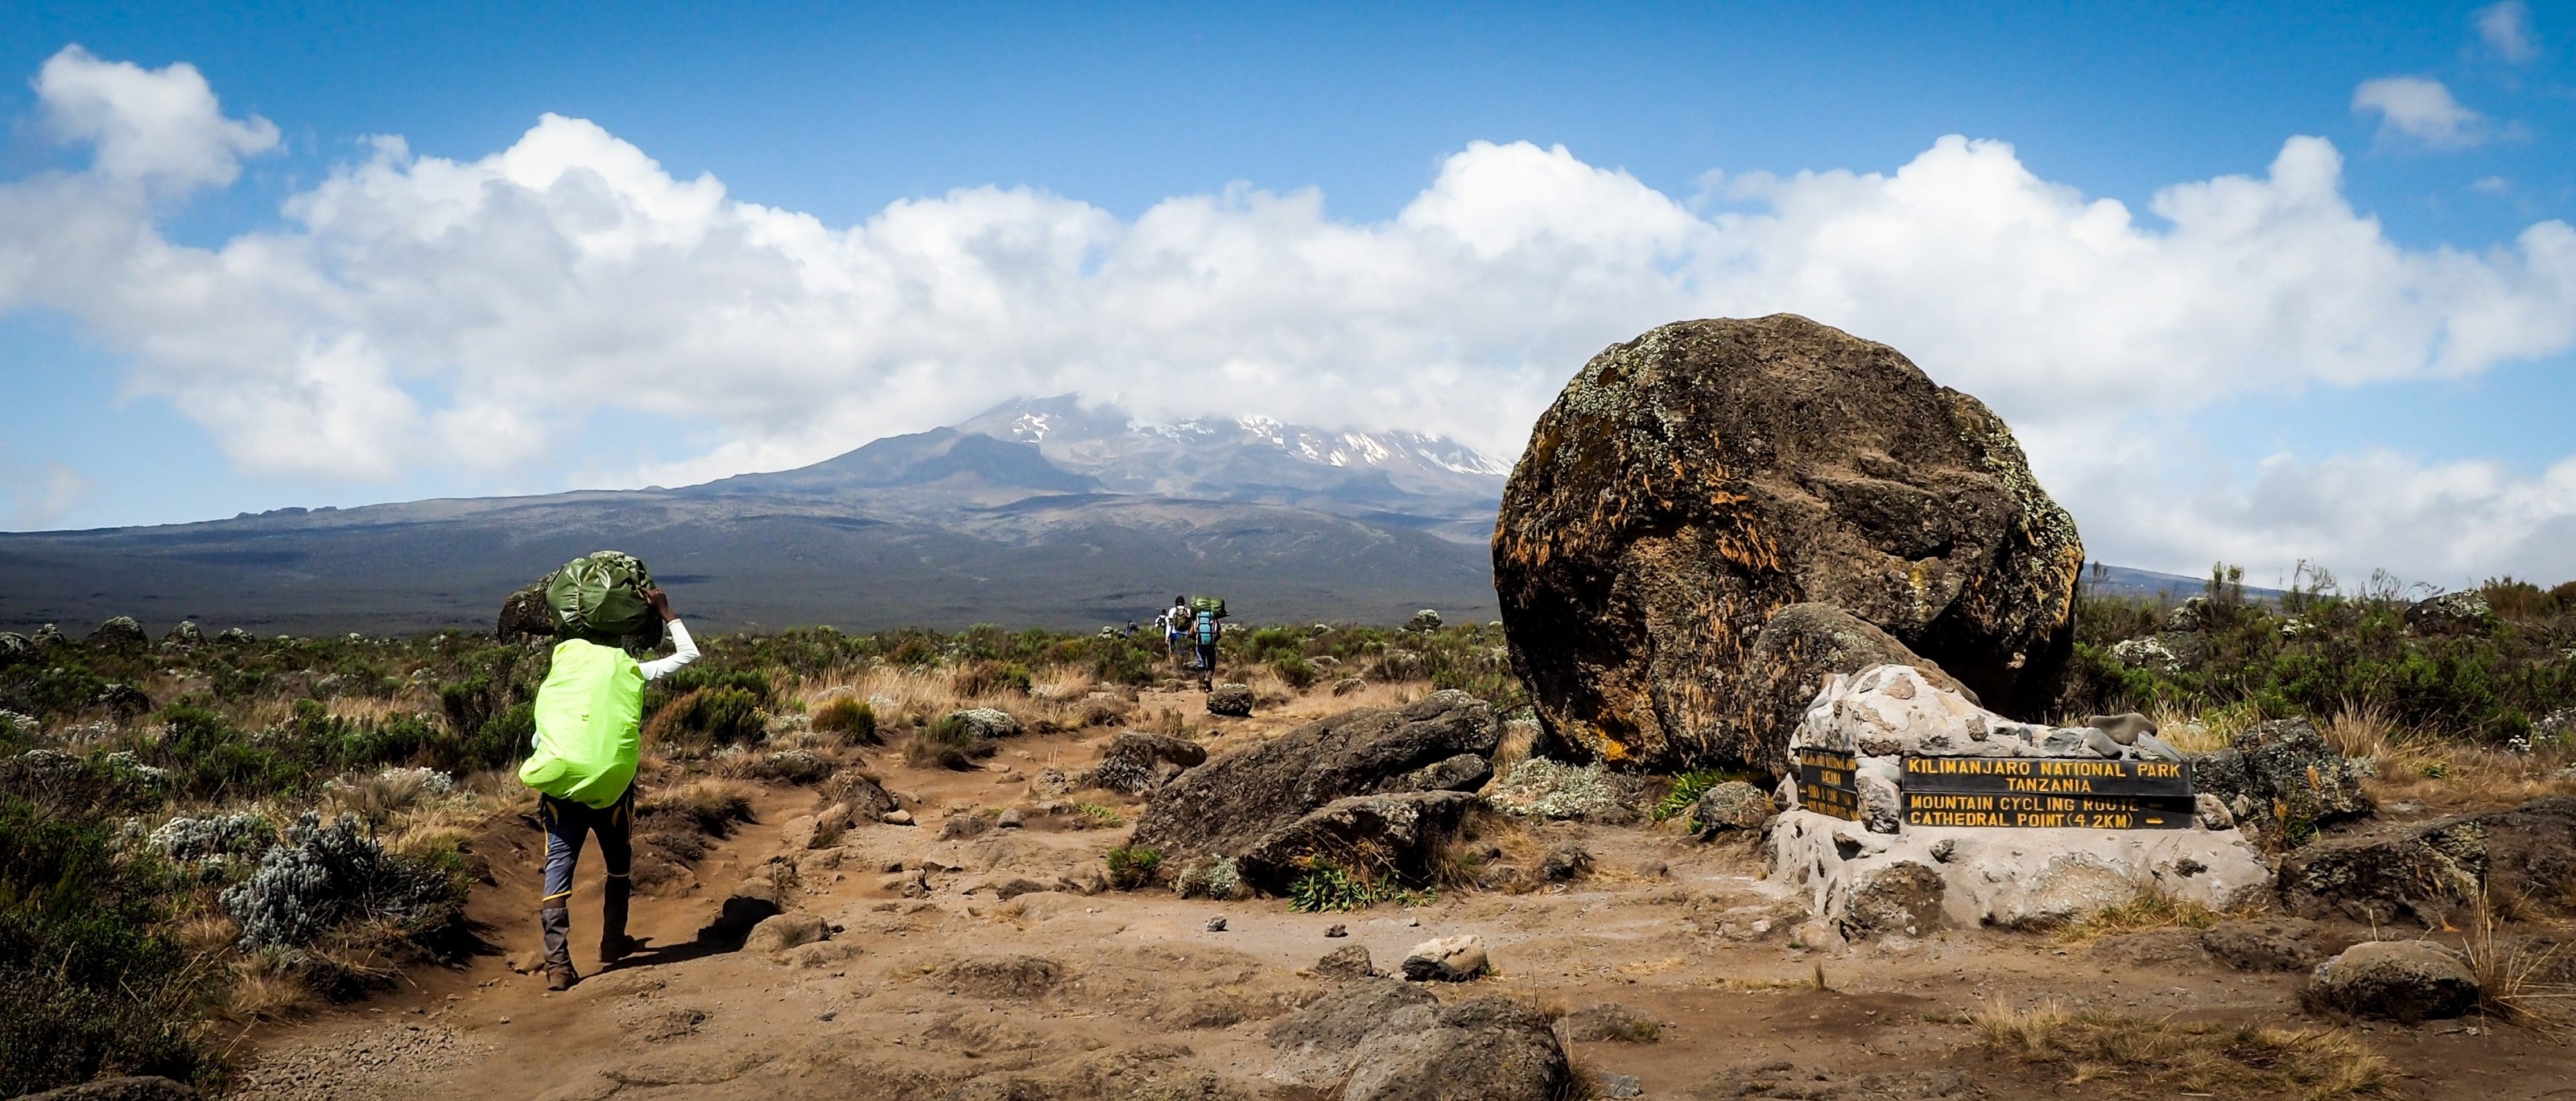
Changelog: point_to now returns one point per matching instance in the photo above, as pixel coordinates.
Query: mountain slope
(976, 523)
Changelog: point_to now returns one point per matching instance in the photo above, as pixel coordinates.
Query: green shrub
(717, 715)
(949, 743)
(2318, 651)
(987, 678)
(1328, 888)
(709, 675)
(501, 742)
(850, 716)
(1132, 866)
(1296, 670)
(87, 984)
(1121, 661)
(1688, 787)
(209, 759)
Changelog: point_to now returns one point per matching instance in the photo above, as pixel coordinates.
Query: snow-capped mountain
(1251, 457)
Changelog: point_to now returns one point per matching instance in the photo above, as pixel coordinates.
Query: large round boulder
(1689, 483)
(2402, 980)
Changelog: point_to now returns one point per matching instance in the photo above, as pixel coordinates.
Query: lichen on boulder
(1690, 483)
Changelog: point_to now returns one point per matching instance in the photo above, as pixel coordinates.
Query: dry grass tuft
(2442, 772)
(2201, 732)
(2517, 980)
(2147, 910)
(2095, 1045)
(208, 932)
(707, 806)
(948, 743)
(262, 990)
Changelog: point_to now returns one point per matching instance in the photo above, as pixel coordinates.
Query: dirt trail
(1059, 994)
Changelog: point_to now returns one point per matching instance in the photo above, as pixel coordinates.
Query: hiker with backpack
(589, 713)
(1205, 612)
(1176, 626)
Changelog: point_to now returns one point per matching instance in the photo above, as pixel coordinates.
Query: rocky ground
(1670, 969)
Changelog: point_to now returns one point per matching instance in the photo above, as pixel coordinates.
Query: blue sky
(1081, 146)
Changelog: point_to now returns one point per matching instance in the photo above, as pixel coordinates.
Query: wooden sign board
(1826, 784)
(2048, 793)
(2048, 776)
(2080, 812)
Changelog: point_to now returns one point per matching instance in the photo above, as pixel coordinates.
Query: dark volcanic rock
(1231, 801)
(1231, 700)
(2425, 871)
(1690, 482)
(1317, 1045)
(1487, 1049)
(525, 616)
(1731, 806)
(2403, 980)
(2466, 610)
(1386, 833)
(1797, 649)
(119, 632)
(1464, 772)
(139, 1088)
(2283, 768)
(1139, 763)
(1350, 961)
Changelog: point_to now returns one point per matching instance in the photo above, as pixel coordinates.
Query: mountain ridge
(964, 523)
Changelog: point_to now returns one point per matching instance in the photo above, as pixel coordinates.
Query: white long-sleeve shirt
(683, 652)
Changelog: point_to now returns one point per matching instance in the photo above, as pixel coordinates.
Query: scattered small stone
(1351, 961)
(1621, 1085)
(1565, 861)
(896, 818)
(1446, 959)
(1337, 929)
(1216, 925)
(1010, 819)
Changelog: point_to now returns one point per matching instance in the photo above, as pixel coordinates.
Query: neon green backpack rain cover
(587, 713)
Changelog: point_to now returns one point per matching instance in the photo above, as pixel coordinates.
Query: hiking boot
(617, 948)
(560, 977)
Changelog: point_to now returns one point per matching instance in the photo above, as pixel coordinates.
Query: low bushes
(89, 979)
(851, 718)
(950, 742)
(2318, 652)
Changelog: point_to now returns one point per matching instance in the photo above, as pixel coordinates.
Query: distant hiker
(1176, 627)
(1204, 613)
(588, 712)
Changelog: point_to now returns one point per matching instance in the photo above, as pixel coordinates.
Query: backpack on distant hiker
(600, 597)
(1208, 604)
(1206, 630)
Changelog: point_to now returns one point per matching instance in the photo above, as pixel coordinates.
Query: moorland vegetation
(206, 832)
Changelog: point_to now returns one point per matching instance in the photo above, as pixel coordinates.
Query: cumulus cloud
(419, 313)
(2506, 30)
(40, 494)
(2413, 108)
(2451, 524)
(146, 124)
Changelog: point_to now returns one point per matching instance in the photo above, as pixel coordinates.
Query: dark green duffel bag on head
(600, 597)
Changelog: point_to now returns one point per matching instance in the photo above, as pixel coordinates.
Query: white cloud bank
(420, 313)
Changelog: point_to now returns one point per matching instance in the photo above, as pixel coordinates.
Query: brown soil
(1059, 994)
